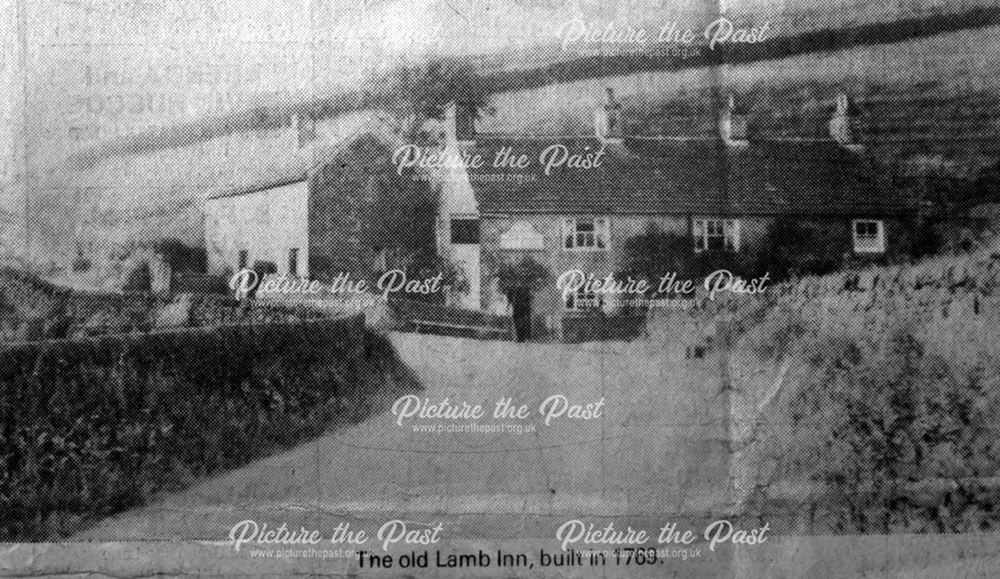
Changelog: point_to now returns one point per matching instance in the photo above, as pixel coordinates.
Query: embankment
(866, 401)
(92, 426)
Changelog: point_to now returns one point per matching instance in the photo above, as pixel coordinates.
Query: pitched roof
(320, 153)
(682, 176)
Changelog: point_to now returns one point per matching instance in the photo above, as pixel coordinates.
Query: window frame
(293, 260)
(467, 219)
(571, 302)
(730, 233)
(879, 237)
(600, 234)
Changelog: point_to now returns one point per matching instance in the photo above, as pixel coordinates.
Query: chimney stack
(733, 124)
(608, 119)
(460, 122)
(846, 123)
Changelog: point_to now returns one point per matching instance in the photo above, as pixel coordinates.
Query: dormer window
(869, 236)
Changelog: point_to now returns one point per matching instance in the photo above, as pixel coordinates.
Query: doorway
(520, 300)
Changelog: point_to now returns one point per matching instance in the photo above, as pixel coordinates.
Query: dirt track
(654, 450)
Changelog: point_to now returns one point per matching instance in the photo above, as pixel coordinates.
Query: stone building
(345, 211)
(572, 202)
(561, 202)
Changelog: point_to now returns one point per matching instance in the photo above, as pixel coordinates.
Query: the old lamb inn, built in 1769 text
(565, 202)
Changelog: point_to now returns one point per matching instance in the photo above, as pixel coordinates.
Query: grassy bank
(93, 426)
(866, 401)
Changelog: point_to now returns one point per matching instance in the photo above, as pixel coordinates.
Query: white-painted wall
(458, 200)
(464, 256)
(266, 223)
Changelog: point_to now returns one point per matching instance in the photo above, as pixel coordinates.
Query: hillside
(931, 96)
(926, 90)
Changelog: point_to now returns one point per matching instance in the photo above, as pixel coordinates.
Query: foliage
(920, 237)
(525, 274)
(947, 185)
(182, 257)
(425, 264)
(792, 249)
(653, 254)
(428, 87)
(789, 248)
(881, 427)
(987, 184)
(91, 427)
(422, 91)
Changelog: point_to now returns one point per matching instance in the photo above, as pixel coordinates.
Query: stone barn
(348, 211)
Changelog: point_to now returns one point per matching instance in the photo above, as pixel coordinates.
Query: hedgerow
(92, 426)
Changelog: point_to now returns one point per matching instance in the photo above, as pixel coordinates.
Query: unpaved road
(654, 457)
(654, 451)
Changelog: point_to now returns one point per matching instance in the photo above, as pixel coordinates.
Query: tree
(790, 248)
(422, 92)
(653, 254)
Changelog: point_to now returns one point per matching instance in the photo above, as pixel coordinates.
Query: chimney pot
(733, 123)
(845, 123)
(608, 119)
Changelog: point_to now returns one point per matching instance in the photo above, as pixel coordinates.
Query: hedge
(93, 426)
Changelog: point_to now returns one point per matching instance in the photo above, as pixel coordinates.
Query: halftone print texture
(517, 288)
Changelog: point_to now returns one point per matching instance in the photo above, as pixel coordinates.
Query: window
(265, 267)
(293, 261)
(585, 234)
(243, 259)
(581, 300)
(716, 234)
(465, 231)
(869, 236)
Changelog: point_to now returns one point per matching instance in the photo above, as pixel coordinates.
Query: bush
(91, 427)
(425, 264)
(792, 249)
(653, 254)
(920, 238)
(182, 257)
(883, 429)
(650, 255)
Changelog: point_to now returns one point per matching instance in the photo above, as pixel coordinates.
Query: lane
(655, 451)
